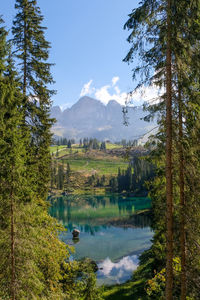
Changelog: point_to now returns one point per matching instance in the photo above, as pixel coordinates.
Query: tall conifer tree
(31, 255)
(162, 34)
(169, 184)
(32, 51)
(14, 190)
(33, 261)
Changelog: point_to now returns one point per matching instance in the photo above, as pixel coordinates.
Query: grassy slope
(86, 163)
(63, 150)
(126, 291)
(75, 147)
(92, 166)
(91, 162)
(54, 148)
(110, 146)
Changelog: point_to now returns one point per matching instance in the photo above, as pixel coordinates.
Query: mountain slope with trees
(91, 167)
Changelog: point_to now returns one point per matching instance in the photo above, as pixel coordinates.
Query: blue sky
(88, 45)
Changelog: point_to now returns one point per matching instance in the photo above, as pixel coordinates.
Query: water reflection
(110, 232)
(89, 213)
(112, 273)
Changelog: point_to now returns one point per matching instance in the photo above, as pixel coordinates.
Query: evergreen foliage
(60, 180)
(3, 46)
(32, 52)
(164, 35)
(103, 146)
(22, 236)
(33, 260)
(133, 179)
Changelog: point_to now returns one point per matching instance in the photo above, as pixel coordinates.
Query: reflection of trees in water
(85, 228)
(91, 200)
(141, 220)
(61, 208)
(134, 221)
(91, 229)
(97, 201)
(125, 206)
(114, 199)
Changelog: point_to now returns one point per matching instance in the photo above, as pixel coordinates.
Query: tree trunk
(169, 188)
(182, 200)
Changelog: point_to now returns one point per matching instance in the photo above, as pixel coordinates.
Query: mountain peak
(87, 100)
(89, 117)
(113, 103)
(87, 103)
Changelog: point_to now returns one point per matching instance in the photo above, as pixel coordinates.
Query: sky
(88, 45)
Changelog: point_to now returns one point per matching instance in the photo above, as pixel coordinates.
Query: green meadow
(89, 162)
(92, 166)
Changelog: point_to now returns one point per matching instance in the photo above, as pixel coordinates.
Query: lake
(110, 233)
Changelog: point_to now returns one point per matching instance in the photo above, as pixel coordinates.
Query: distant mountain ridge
(89, 117)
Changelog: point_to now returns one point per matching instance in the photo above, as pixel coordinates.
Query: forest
(34, 262)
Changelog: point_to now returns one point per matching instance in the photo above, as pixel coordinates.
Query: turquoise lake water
(102, 236)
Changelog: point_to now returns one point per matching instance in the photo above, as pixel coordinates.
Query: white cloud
(112, 92)
(104, 95)
(146, 94)
(117, 90)
(87, 90)
(115, 80)
(119, 271)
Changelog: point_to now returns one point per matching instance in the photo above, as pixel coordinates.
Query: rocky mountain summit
(91, 118)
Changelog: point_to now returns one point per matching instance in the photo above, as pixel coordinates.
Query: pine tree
(14, 190)
(60, 180)
(42, 261)
(32, 51)
(68, 172)
(157, 58)
(103, 180)
(32, 257)
(22, 237)
(162, 44)
(103, 146)
(69, 144)
(169, 185)
(113, 184)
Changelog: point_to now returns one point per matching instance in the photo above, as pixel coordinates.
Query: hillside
(78, 169)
